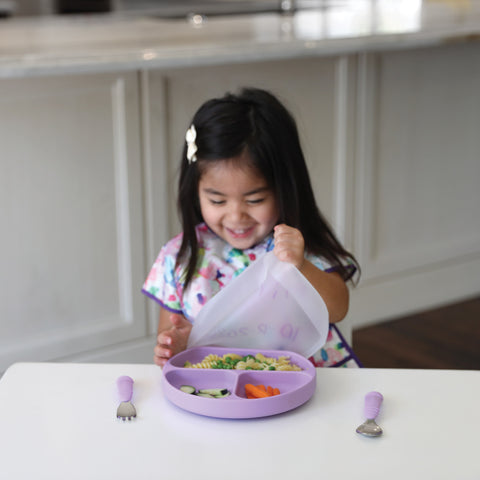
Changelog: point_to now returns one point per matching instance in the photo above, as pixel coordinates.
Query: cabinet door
(70, 214)
(417, 224)
(307, 87)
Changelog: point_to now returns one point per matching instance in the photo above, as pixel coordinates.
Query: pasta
(233, 361)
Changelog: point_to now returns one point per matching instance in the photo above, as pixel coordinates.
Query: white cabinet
(71, 216)
(417, 168)
(307, 87)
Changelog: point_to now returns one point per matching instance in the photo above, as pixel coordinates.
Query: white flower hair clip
(190, 137)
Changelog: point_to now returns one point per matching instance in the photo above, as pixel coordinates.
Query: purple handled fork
(125, 410)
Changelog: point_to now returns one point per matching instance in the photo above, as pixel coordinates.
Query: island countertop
(92, 43)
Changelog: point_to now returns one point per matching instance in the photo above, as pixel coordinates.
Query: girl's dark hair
(255, 121)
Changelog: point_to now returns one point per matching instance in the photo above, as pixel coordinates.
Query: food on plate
(233, 361)
(259, 391)
(206, 392)
(188, 389)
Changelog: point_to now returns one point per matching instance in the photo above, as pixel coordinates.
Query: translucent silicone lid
(270, 305)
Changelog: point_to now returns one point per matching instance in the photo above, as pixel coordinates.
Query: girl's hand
(173, 332)
(289, 245)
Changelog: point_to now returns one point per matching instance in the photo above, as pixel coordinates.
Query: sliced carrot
(255, 391)
(259, 391)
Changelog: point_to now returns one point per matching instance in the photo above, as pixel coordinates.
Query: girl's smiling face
(236, 202)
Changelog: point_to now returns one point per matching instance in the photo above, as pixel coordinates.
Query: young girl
(244, 190)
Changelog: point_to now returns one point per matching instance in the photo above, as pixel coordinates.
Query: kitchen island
(93, 112)
(119, 42)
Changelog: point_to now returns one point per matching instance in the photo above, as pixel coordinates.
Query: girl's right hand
(173, 332)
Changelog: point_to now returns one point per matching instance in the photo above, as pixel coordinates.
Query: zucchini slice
(188, 389)
(223, 395)
(204, 395)
(215, 392)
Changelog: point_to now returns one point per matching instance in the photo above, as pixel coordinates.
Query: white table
(58, 421)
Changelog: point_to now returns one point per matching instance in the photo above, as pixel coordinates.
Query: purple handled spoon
(369, 428)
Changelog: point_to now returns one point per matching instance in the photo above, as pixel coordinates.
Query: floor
(447, 338)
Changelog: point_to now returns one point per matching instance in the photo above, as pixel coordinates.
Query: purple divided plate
(296, 388)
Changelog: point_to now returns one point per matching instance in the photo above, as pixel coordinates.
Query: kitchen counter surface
(58, 422)
(88, 43)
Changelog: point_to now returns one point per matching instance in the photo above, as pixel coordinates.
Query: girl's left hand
(173, 332)
(289, 245)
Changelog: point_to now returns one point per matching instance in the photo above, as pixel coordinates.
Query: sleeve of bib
(162, 283)
(324, 265)
(319, 262)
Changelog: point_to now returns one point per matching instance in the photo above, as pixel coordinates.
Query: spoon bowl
(369, 428)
